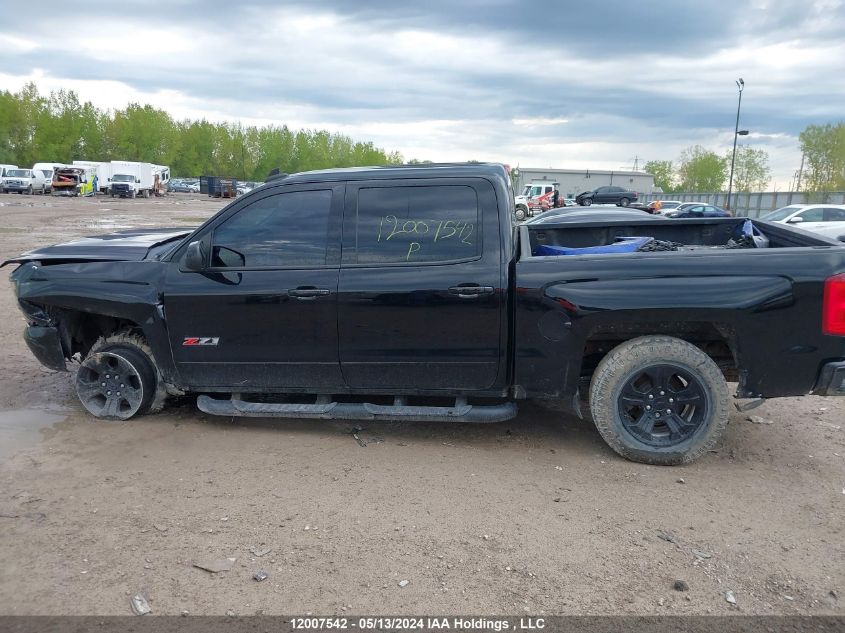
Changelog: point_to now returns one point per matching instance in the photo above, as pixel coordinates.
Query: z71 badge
(200, 340)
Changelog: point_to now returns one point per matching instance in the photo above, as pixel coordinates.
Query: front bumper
(45, 344)
(832, 380)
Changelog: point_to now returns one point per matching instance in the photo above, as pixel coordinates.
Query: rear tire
(624, 202)
(118, 379)
(659, 400)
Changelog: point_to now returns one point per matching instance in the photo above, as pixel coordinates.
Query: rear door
(812, 219)
(422, 293)
(833, 224)
(263, 312)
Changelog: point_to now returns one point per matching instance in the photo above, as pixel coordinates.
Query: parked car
(697, 210)
(410, 283)
(26, 181)
(181, 187)
(663, 206)
(670, 204)
(593, 214)
(825, 219)
(609, 194)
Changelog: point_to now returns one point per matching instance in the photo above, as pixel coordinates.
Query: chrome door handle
(470, 292)
(308, 293)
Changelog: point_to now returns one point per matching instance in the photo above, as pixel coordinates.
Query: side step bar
(321, 410)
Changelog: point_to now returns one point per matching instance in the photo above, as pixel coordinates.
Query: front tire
(520, 214)
(659, 400)
(118, 379)
(586, 202)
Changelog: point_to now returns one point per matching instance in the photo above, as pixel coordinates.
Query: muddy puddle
(23, 429)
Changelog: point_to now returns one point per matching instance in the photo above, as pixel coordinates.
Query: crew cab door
(263, 311)
(422, 292)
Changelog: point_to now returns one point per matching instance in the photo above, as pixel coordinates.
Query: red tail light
(833, 312)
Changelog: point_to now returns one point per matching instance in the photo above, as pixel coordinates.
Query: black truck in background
(409, 293)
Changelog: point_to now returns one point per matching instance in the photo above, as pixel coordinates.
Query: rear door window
(417, 224)
(832, 214)
(812, 215)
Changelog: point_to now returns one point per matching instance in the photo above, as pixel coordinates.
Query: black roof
(423, 170)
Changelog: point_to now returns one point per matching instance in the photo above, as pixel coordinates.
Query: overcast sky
(539, 84)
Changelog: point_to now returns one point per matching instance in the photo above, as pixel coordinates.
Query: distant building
(574, 181)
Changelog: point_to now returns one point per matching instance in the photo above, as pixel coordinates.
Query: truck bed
(695, 232)
(757, 310)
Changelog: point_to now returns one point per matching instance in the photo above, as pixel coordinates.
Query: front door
(263, 314)
(422, 290)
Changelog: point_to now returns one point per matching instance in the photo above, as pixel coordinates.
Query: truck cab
(123, 185)
(533, 197)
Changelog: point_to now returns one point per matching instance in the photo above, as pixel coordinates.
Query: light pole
(740, 84)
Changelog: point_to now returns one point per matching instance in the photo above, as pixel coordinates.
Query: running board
(461, 412)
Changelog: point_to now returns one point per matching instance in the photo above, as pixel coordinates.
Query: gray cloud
(465, 76)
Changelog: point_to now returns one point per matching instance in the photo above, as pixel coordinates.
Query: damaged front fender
(45, 344)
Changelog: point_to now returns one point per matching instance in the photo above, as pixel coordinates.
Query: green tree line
(59, 128)
(824, 157)
(701, 170)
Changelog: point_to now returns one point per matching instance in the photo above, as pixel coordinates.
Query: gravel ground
(533, 516)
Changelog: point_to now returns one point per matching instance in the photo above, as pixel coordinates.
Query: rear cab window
(415, 224)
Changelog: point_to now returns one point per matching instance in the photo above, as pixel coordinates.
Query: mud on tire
(659, 400)
(126, 360)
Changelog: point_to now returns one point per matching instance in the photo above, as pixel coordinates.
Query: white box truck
(130, 179)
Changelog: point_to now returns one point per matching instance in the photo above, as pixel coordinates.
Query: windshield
(123, 178)
(780, 214)
(18, 173)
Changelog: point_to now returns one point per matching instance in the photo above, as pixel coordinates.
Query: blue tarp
(622, 245)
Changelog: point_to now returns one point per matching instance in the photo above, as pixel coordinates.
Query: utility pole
(800, 173)
(741, 85)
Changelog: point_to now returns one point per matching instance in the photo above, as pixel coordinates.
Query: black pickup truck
(409, 293)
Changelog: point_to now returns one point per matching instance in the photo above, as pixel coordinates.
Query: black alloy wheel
(114, 384)
(662, 405)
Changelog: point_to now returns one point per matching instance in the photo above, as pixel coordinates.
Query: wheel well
(80, 330)
(715, 340)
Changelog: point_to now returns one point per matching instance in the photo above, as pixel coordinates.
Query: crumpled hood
(129, 245)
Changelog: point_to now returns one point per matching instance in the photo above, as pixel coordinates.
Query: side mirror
(796, 220)
(194, 257)
(137, 180)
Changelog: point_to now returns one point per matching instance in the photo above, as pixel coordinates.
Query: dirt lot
(532, 516)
